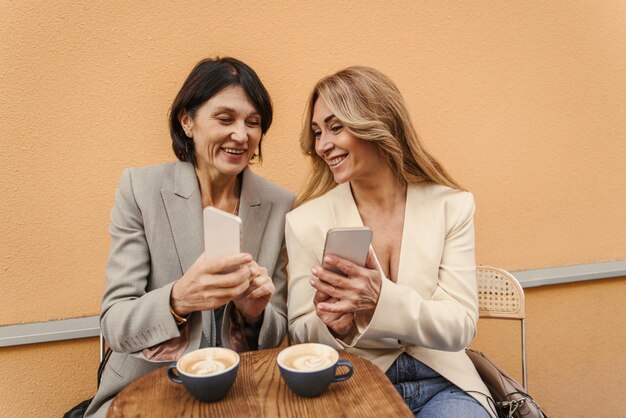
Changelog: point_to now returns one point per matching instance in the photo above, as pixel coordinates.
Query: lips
(336, 160)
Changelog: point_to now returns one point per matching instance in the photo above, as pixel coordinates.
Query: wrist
(177, 305)
(344, 336)
(252, 320)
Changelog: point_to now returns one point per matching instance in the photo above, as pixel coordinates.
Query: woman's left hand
(253, 301)
(357, 292)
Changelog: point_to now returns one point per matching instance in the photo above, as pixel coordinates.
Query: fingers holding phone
(340, 325)
(209, 284)
(346, 283)
(261, 285)
(356, 288)
(253, 301)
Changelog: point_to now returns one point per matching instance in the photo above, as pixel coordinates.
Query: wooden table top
(259, 391)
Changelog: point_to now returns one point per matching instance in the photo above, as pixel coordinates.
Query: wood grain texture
(259, 391)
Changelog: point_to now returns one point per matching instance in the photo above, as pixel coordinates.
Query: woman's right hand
(205, 287)
(358, 289)
(339, 324)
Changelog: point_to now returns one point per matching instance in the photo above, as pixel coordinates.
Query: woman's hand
(357, 292)
(340, 325)
(253, 301)
(204, 286)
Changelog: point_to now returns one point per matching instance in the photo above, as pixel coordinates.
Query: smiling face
(349, 158)
(226, 131)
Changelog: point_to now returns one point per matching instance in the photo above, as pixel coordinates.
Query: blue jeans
(428, 394)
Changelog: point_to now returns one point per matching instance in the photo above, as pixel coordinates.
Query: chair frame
(515, 291)
(102, 346)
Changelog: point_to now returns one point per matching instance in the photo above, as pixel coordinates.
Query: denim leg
(420, 386)
(453, 403)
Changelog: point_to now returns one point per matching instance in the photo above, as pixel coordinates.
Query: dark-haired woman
(163, 297)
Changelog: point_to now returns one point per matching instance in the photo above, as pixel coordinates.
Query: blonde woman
(413, 308)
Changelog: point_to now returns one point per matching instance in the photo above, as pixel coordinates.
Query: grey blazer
(156, 235)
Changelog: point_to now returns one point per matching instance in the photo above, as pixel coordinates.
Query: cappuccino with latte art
(308, 369)
(207, 373)
(309, 357)
(207, 366)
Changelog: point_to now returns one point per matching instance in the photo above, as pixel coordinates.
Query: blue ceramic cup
(207, 373)
(308, 369)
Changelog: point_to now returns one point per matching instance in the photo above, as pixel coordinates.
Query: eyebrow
(326, 119)
(231, 110)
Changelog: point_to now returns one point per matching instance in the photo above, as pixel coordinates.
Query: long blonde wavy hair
(369, 105)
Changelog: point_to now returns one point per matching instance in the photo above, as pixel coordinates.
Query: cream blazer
(156, 235)
(429, 313)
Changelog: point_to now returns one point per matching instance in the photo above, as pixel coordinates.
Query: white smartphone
(222, 233)
(350, 243)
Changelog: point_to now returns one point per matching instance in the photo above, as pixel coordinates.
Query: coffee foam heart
(207, 366)
(310, 361)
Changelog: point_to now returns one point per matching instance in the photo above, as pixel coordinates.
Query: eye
(224, 118)
(253, 122)
(336, 128)
(317, 133)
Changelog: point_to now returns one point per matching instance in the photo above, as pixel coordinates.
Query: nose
(239, 134)
(324, 145)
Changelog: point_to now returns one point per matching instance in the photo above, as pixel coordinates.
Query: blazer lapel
(344, 210)
(417, 240)
(346, 214)
(254, 213)
(184, 212)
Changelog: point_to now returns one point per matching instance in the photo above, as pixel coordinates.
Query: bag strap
(103, 363)
(512, 405)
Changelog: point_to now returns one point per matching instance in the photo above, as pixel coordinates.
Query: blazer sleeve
(304, 324)
(447, 320)
(132, 318)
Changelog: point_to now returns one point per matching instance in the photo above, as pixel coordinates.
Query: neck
(383, 193)
(217, 189)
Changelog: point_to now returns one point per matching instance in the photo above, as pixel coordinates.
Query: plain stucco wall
(522, 101)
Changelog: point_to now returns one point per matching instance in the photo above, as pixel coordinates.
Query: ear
(185, 120)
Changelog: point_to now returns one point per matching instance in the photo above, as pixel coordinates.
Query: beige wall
(523, 101)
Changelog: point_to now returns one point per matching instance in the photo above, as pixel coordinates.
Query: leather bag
(509, 398)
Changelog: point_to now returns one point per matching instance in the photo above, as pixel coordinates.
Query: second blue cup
(309, 369)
